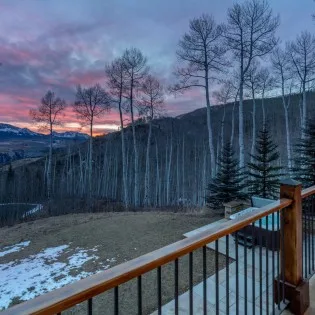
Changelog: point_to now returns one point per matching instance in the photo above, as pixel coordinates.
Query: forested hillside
(179, 158)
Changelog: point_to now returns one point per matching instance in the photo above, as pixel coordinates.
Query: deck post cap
(290, 182)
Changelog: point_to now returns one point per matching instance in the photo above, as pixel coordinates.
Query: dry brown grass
(120, 235)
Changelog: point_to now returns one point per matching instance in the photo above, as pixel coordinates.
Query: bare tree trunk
(147, 192)
(210, 135)
(49, 170)
(252, 151)
(241, 125)
(304, 111)
(301, 111)
(204, 177)
(135, 149)
(90, 164)
(263, 109)
(195, 196)
(233, 124)
(222, 127)
(218, 153)
(287, 127)
(123, 152)
(168, 178)
(158, 177)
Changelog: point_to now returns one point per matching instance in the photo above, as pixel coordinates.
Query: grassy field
(119, 237)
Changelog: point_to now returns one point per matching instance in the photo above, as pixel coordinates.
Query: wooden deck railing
(84, 290)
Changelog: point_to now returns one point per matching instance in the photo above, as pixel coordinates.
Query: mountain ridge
(8, 131)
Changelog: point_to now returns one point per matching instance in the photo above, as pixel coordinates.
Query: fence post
(296, 288)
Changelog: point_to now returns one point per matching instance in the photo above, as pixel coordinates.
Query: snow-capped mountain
(70, 135)
(12, 132)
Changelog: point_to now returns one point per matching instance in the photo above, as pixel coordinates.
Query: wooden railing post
(296, 288)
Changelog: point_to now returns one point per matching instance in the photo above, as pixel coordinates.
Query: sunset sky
(57, 44)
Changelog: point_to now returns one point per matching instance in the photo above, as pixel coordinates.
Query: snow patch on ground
(14, 248)
(27, 278)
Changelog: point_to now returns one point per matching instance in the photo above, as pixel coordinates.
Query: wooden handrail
(82, 290)
(308, 192)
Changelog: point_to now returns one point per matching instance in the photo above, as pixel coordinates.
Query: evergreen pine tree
(264, 174)
(304, 160)
(229, 182)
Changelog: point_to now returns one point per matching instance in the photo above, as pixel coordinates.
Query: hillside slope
(179, 156)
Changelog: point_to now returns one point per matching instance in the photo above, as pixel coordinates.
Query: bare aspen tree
(223, 96)
(90, 103)
(158, 177)
(116, 76)
(250, 34)
(151, 101)
(168, 165)
(266, 83)
(235, 92)
(281, 69)
(201, 54)
(252, 83)
(302, 57)
(47, 116)
(233, 118)
(136, 68)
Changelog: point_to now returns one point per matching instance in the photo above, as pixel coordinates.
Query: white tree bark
(158, 177)
(233, 124)
(168, 177)
(263, 109)
(252, 151)
(241, 127)
(222, 127)
(123, 151)
(147, 190)
(209, 125)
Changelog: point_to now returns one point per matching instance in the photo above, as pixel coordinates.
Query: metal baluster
(306, 240)
(313, 262)
(90, 307)
(176, 287)
(236, 267)
(245, 273)
(139, 295)
(260, 266)
(267, 267)
(278, 259)
(227, 275)
(217, 277)
(253, 265)
(305, 245)
(116, 302)
(283, 255)
(309, 234)
(159, 288)
(273, 263)
(204, 258)
(191, 305)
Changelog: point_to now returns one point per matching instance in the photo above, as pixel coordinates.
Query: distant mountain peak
(70, 135)
(11, 131)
